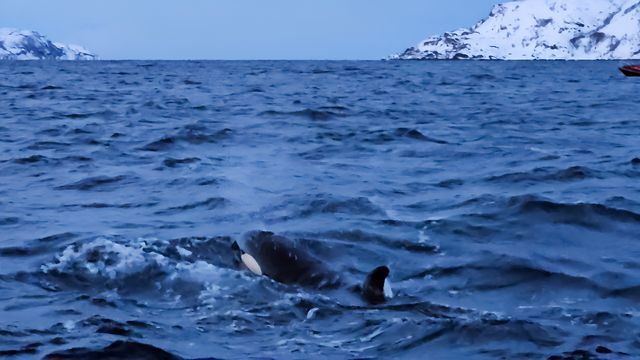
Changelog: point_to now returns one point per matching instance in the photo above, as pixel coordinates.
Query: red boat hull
(631, 70)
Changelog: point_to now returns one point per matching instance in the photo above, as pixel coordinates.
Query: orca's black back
(280, 259)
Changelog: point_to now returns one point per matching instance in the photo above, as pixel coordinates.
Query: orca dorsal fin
(376, 288)
(237, 253)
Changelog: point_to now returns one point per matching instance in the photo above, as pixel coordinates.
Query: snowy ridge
(30, 45)
(542, 30)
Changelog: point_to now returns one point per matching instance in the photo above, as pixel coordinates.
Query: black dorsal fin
(373, 287)
(237, 253)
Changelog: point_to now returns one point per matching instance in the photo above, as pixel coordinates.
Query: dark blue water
(504, 197)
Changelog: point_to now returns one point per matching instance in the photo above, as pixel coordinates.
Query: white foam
(377, 332)
(69, 325)
(115, 264)
(106, 258)
(183, 252)
(312, 313)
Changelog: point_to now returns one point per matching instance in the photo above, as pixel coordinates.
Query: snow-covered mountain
(545, 30)
(30, 45)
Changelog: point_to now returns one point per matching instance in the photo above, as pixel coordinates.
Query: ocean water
(504, 197)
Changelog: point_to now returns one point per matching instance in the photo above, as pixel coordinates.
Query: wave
(595, 352)
(183, 267)
(29, 349)
(547, 174)
(501, 272)
(31, 160)
(117, 350)
(411, 329)
(106, 114)
(583, 214)
(160, 145)
(51, 87)
(311, 114)
(77, 158)
(321, 152)
(96, 183)
(417, 135)
(208, 204)
(57, 238)
(9, 220)
(479, 215)
(465, 226)
(318, 204)
(450, 183)
(191, 82)
(171, 163)
(48, 145)
(385, 136)
(631, 292)
(101, 205)
(488, 330)
(192, 134)
(359, 236)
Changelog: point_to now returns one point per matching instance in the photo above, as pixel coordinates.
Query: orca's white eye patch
(388, 292)
(251, 263)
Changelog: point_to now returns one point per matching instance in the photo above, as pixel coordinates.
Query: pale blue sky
(242, 29)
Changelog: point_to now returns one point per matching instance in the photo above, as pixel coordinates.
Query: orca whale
(280, 259)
